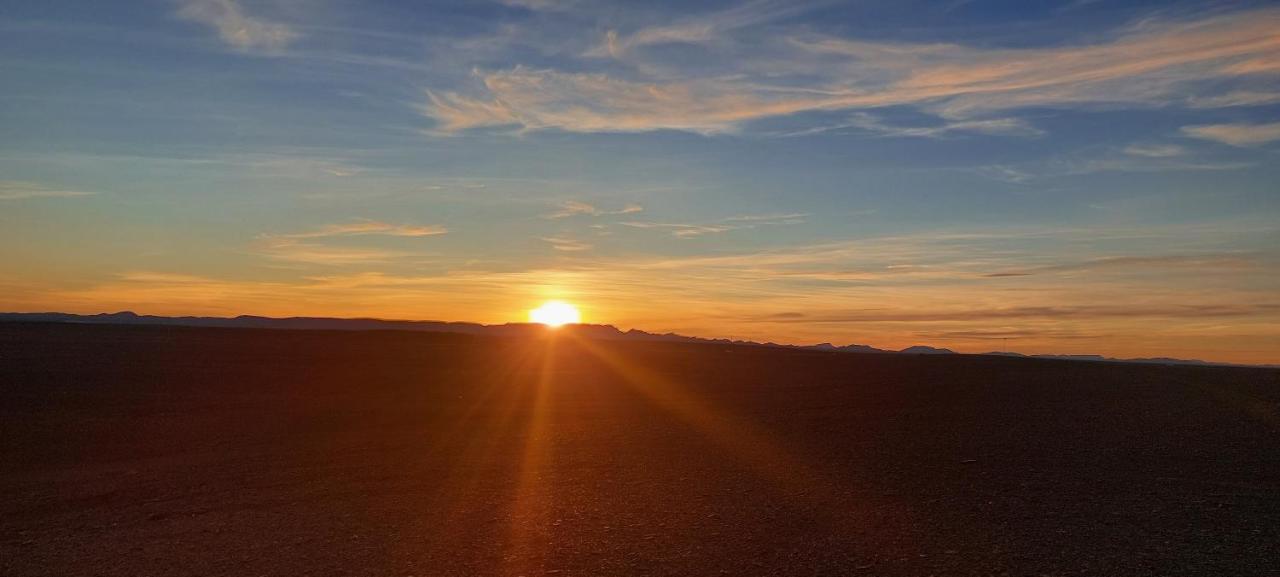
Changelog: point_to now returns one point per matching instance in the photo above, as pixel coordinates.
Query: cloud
(454, 112)
(1155, 150)
(1005, 173)
(236, 28)
(869, 123)
(573, 208)
(541, 5)
(1148, 64)
(906, 285)
(701, 28)
(368, 227)
(299, 246)
(294, 250)
(1236, 134)
(566, 244)
(20, 190)
(581, 102)
(1047, 312)
(1193, 262)
(966, 256)
(1136, 158)
(1237, 98)
(684, 230)
(772, 218)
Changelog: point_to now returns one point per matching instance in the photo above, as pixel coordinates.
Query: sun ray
(799, 478)
(532, 503)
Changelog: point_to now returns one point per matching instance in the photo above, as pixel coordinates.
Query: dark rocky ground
(171, 451)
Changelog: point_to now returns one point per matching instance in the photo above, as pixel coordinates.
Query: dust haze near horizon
(1074, 177)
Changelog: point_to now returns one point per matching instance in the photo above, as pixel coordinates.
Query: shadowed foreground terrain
(179, 451)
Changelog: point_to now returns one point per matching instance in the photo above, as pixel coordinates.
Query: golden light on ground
(555, 313)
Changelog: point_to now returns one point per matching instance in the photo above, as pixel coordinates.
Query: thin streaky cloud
(20, 190)
(565, 243)
(1124, 264)
(864, 122)
(1046, 312)
(368, 227)
(542, 5)
(1155, 150)
(703, 28)
(1240, 134)
(782, 216)
(295, 250)
(1004, 173)
(681, 230)
(740, 222)
(235, 27)
(1236, 98)
(574, 208)
(1133, 159)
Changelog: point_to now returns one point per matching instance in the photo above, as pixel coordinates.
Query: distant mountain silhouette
(923, 350)
(1100, 358)
(845, 348)
(508, 329)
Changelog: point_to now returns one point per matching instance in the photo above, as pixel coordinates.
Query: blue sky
(1089, 176)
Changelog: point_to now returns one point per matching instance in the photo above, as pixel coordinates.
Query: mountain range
(508, 329)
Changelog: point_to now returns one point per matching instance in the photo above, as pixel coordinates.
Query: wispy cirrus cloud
(1241, 134)
(702, 28)
(294, 250)
(688, 230)
(20, 190)
(1188, 311)
(565, 243)
(1151, 63)
(771, 218)
(1234, 98)
(367, 227)
(235, 27)
(1005, 173)
(1124, 264)
(865, 122)
(574, 208)
(1155, 150)
(1135, 158)
(302, 247)
(679, 229)
(542, 5)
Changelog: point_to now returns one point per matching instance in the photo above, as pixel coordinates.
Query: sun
(555, 313)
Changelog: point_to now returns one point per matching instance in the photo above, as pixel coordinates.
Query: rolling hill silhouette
(596, 331)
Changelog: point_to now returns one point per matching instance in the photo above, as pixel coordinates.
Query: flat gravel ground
(131, 451)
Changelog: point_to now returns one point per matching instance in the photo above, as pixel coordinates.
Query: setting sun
(555, 313)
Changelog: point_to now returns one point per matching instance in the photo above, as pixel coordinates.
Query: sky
(1078, 177)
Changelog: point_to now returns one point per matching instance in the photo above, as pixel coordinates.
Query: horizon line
(824, 346)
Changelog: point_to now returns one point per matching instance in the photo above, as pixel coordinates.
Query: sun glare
(555, 313)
